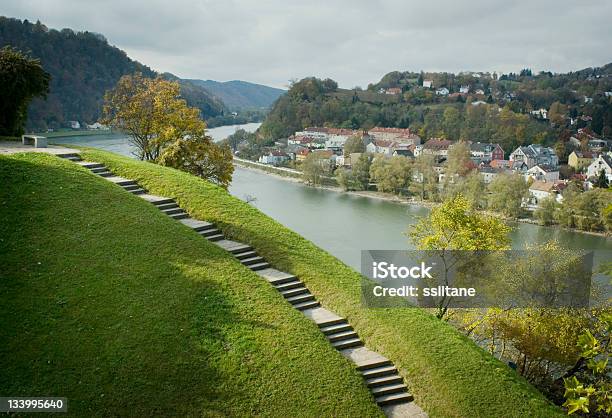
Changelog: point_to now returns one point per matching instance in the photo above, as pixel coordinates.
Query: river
(342, 224)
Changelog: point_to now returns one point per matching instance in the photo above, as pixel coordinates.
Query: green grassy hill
(108, 302)
(449, 375)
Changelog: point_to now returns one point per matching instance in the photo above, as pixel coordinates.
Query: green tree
(353, 144)
(425, 184)
(392, 175)
(602, 180)
(21, 79)
(507, 193)
(546, 211)
(459, 162)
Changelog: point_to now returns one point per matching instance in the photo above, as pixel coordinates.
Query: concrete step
(130, 187)
(392, 379)
(394, 398)
(294, 292)
(246, 254)
(196, 225)
(259, 266)
(164, 206)
(240, 250)
(252, 260)
(341, 345)
(99, 169)
(388, 389)
(307, 305)
(105, 174)
(69, 155)
(344, 335)
(173, 211)
(332, 329)
(210, 232)
(90, 165)
(217, 237)
(379, 371)
(371, 364)
(137, 191)
(290, 285)
(178, 216)
(161, 200)
(300, 298)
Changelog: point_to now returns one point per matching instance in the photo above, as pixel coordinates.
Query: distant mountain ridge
(239, 95)
(83, 66)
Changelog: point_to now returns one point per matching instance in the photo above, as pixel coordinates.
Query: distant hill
(239, 95)
(83, 66)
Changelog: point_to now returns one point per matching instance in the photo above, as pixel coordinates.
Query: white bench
(37, 141)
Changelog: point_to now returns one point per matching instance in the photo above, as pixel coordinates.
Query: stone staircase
(380, 375)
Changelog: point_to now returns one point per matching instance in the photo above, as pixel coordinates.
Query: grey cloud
(354, 42)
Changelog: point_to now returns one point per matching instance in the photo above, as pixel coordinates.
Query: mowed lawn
(124, 311)
(447, 372)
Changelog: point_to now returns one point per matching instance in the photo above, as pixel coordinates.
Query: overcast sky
(354, 41)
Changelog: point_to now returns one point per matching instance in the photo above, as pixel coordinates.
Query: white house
(603, 162)
(540, 113)
(540, 191)
(74, 124)
(542, 173)
(480, 92)
(442, 91)
(464, 89)
(273, 158)
(428, 84)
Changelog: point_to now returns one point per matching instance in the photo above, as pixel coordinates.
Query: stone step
(300, 298)
(344, 335)
(99, 169)
(158, 200)
(276, 277)
(394, 398)
(137, 191)
(196, 225)
(294, 292)
(307, 305)
(105, 174)
(379, 371)
(246, 254)
(378, 363)
(217, 237)
(252, 260)
(164, 206)
(121, 181)
(69, 155)
(212, 231)
(173, 211)
(341, 345)
(89, 164)
(332, 329)
(384, 380)
(178, 216)
(259, 266)
(130, 187)
(379, 391)
(289, 285)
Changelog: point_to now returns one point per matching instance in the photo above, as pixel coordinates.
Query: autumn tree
(164, 129)
(314, 168)
(21, 79)
(425, 184)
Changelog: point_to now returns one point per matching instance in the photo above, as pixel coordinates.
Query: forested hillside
(239, 95)
(471, 106)
(82, 66)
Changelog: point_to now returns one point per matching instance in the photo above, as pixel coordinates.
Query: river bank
(294, 176)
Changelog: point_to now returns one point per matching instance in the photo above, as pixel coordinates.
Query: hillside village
(539, 165)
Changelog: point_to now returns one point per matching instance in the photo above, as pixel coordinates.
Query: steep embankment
(449, 375)
(110, 303)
